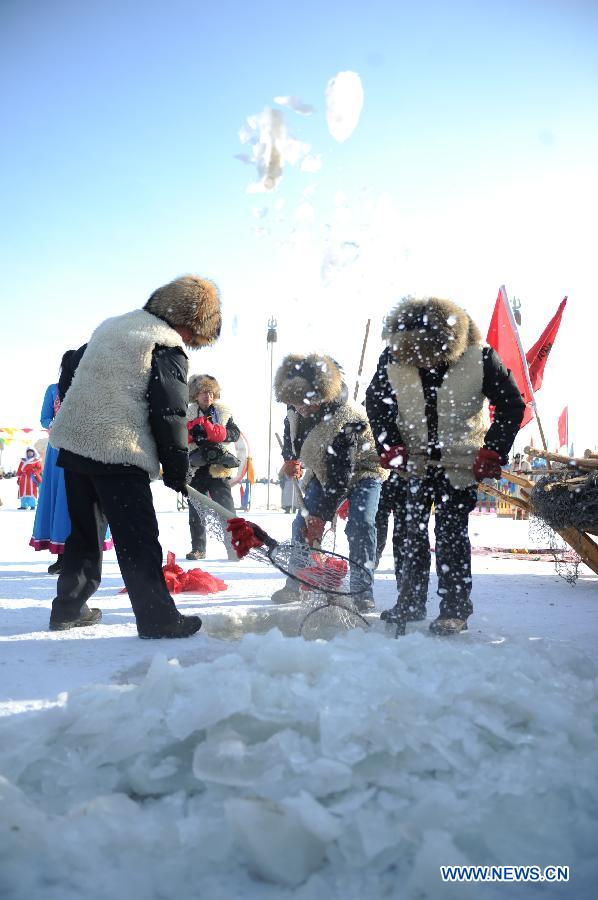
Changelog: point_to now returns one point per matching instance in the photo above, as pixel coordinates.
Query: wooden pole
(573, 462)
(525, 367)
(360, 370)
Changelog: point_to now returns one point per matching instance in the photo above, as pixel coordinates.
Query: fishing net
(567, 498)
(320, 571)
(327, 615)
(566, 560)
(214, 524)
(562, 499)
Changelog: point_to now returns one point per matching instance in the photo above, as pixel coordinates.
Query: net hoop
(293, 558)
(321, 619)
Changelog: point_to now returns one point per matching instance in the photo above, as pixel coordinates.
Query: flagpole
(507, 305)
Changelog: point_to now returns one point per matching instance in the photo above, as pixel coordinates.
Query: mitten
(314, 529)
(176, 483)
(244, 536)
(394, 458)
(214, 433)
(486, 464)
(196, 429)
(292, 468)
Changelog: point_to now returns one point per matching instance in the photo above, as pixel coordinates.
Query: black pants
(125, 501)
(392, 500)
(453, 550)
(216, 488)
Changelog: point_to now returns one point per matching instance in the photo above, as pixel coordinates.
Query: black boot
(407, 610)
(395, 618)
(56, 566)
(414, 611)
(196, 554)
(86, 617)
(184, 627)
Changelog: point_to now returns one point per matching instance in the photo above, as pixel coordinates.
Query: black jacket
(167, 396)
(498, 385)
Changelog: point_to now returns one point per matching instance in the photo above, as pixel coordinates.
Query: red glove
(314, 529)
(292, 468)
(394, 458)
(200, 420)
(486, 464)
(245, 535)
(343, 510)
(215, 433)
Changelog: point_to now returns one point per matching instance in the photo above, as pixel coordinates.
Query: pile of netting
(562, 499)
(566, 498)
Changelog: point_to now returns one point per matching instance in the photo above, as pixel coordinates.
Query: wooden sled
(578, 540)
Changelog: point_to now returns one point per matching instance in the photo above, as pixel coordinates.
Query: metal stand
(271, 339)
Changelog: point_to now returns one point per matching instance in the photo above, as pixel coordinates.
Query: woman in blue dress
(52, 523)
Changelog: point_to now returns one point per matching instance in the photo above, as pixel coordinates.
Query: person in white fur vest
(122, 417)
(331, 439)
(428, 407)
(212, 438)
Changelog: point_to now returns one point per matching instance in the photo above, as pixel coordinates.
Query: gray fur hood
(305, 379)
(429, 331)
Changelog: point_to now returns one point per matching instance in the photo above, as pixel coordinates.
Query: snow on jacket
(338, 450)
(442, 413)
(126, 403)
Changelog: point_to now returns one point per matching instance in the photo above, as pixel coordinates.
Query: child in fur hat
(428, 407)
(212, 437)
(332, 440)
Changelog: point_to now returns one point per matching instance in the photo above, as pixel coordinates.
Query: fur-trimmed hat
(199, 383)
(190, 301)
(302, 380)
(429, 331)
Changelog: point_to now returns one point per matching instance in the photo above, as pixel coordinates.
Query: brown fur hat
(301, 380)
(428, 331)
(198, 383)
(190, 301)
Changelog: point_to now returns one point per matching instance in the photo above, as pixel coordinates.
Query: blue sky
(473, 164)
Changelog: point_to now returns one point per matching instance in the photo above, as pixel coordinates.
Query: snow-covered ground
(248, 762)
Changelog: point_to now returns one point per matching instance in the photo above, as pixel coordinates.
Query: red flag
(538, 354)
(504, 338)
(564, 428)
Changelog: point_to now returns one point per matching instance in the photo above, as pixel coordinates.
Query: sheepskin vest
(224, 414)
(315, 453)
(105, 413)
(463, 418)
